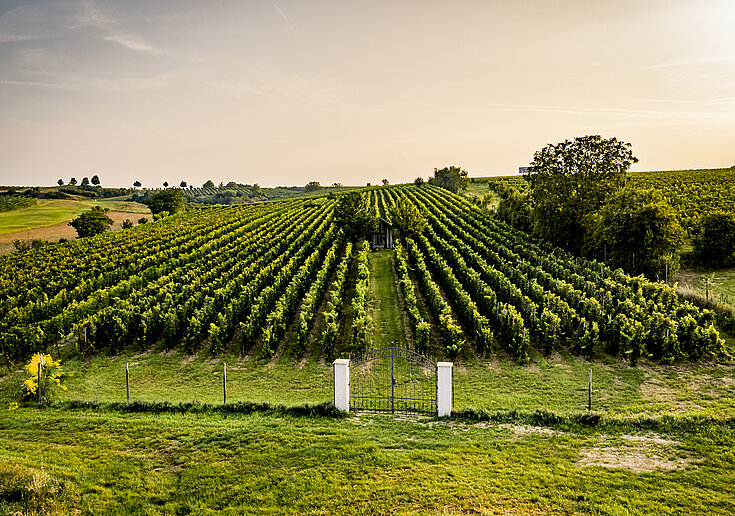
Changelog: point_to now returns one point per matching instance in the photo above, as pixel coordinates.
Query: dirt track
(62, 230)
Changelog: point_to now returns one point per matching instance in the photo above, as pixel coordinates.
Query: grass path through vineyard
(386, 312)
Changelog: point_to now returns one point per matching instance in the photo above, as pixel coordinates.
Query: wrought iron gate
(393, 380)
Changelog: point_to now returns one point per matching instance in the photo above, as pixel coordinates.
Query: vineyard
(254, 278)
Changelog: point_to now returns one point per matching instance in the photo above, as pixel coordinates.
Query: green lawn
(62, 462)
(47, 212)
(719, 282)
(557, 383)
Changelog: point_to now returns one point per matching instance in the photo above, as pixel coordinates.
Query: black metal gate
(393, 380)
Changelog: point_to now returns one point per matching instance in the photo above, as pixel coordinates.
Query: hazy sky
(281, 93)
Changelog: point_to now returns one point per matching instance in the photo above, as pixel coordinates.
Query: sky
(287, 92)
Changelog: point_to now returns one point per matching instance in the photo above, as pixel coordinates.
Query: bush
(50, 376)
(170, 200)
(91, 223)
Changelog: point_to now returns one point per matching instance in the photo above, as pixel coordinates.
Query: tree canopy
(451, 178)
(514, 207)
(312, 186)
(95, 180)
(406, 217)
(355, 215)
(92, 222)
(570, 180)
(170, 200)
(641, 232)
(208, 184)
(714, 238)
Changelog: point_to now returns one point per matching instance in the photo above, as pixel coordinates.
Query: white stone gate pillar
(444, 388)
(342, 384)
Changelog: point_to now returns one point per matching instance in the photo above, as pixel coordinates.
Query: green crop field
(47, 212)
(276, 291)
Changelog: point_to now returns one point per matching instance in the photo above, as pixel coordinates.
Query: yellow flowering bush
(51, 374)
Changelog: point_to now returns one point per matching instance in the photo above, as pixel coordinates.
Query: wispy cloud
(698, 60)
(91, 16)
(133, 42)
(30, 22)
(89, 83)
(289, 26)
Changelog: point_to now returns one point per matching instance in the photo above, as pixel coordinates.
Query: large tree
(452, 178)
(95, 180)
(93, 222)
(714, 238)
(570, 180)
(170, 200)
(312, 186)
(355, 215)
(640, 230)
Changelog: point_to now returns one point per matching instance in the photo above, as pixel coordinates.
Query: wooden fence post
(40, 365)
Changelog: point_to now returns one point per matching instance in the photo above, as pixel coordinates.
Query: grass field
(720, 283)
(557, 382)
(64, 461)
(47, 212)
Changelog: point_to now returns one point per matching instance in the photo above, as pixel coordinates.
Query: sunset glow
(282, 93)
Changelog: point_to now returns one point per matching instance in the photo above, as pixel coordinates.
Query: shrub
(50, 376)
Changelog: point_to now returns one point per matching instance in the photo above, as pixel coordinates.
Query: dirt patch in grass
(190, 358)
(533, 367)
(520, 431)
(493, 363)
(637, 459)
(638, 453)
